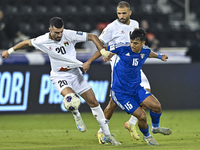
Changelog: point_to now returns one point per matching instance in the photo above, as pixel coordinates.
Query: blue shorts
(130, 103)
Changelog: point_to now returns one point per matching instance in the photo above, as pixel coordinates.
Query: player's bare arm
(86, 65)
(95, 40)
(163, 57)
(20, 45)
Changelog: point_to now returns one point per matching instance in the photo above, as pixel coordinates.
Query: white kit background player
(65, 74)
(118, 32)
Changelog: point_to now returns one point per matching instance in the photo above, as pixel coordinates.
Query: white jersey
(117, 32)
(61, 53)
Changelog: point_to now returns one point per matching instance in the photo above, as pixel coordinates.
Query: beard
(122, 20)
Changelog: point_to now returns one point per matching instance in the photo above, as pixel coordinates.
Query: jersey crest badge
(66, 43)
(127, 54)
(142, 55)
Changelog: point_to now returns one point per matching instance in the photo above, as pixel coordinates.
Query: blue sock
(155, 118)
(145, 131)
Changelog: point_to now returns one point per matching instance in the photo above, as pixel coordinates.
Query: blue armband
(159, 56)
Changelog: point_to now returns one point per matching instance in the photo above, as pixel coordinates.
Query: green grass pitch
(58, 132)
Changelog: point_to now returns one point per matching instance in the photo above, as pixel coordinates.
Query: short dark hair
(123, 4)
(139, 34)
(56, 22)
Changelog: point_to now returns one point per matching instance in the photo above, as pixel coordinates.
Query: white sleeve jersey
(62, 53)
(117, 32)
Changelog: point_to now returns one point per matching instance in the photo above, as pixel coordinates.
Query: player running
(126, 90)
(66, 76)
(116, 32)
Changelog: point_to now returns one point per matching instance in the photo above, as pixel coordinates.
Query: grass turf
(58, 132)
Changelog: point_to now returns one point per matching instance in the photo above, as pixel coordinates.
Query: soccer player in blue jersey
(126, 90)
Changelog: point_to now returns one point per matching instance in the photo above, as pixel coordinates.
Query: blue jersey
(126, 72)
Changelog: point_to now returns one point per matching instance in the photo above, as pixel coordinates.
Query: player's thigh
(89, 97)
(152, 103)
(111, 104)
(110, 108)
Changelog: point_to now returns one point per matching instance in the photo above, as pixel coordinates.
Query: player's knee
(93, 103)
(142, 118)
(157, 107)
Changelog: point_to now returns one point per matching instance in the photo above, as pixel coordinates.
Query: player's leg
(108, 112)
(130, 125)
(143, 126)
(99, 115)
(155, 112)
(65, 89)
(130, 104)
(77, 116)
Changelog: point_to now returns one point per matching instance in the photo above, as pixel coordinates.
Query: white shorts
(144, 81)
(72, 78)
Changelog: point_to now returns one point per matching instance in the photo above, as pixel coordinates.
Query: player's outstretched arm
(163, 57)
(97, 54)
(20, 45)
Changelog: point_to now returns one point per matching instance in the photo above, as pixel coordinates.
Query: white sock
(133, 120)
(99, 115)
(76, 113)
(100, 130)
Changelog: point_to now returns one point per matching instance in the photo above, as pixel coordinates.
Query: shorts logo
(112, 47)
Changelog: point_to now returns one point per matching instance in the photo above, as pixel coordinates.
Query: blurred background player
(90, 45)
(151, 39)
(116, 32)
(126, 90)
(3, 34)
(194, 49)
(65, 74)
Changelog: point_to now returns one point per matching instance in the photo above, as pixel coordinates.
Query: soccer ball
(71, 102)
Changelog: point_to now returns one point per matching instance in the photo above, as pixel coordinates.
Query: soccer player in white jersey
(116, 32)
(126, 90)
(65, 74)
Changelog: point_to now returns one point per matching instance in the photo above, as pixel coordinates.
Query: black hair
(123, 4)
(139, 34)
(56, 22)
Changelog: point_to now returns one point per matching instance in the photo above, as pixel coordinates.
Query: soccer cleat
(100, 138)
(110, 139)
(80, 124)
(150, 140)
(132, 130)
(164, 131)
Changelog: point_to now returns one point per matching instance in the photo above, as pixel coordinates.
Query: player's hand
(164, 57)
(5, 54)
(86, 66)
(109, 57)
(106, 59)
